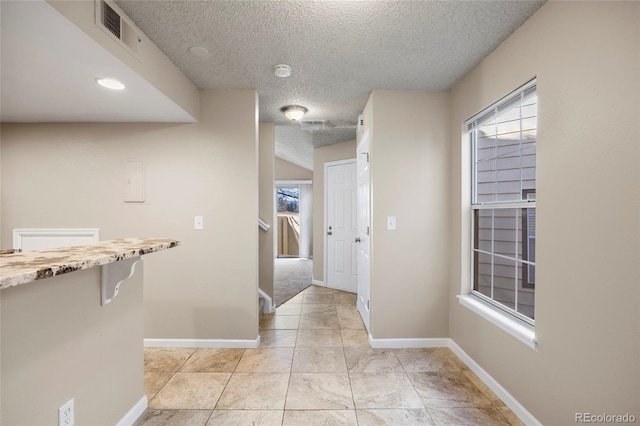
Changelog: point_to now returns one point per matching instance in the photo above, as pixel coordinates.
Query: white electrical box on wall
(133, 182)
(391, 223)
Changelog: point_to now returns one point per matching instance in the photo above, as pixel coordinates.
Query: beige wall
(586, 56)
(409, 151)
(71, 175)
(325, 154)
(266, 168)
(285, 170)
(58, 343)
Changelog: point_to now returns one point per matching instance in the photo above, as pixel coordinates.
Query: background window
(503, 142)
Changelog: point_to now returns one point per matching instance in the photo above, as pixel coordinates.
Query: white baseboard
(408, 343)
(269, 306)
(525, 416)
(134, 413)
(316, 282)
(518, 409)
(201, 343)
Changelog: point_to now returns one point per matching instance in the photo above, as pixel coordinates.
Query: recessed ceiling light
(110, 83)
(199, 51)
(282, 70)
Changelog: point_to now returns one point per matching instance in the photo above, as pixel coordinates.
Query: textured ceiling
(339, 51)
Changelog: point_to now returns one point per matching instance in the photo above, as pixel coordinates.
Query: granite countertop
(24, 267)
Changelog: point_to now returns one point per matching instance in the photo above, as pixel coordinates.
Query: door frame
(326, 212)
(364, 307)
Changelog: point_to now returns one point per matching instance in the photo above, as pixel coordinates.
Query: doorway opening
(292, 239)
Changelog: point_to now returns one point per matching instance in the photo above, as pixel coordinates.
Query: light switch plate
(391, 223)
(198, 222)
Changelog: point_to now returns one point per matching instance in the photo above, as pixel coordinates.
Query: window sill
(509, 325)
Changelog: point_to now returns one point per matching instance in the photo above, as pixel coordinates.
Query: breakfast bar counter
(23, 267)
(65, 336)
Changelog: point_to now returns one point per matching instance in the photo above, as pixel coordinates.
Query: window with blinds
(503, 143)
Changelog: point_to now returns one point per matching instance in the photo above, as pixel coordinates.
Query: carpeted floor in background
(292, 275)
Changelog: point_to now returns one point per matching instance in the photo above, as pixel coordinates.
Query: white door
(364, 231)
(341, 226)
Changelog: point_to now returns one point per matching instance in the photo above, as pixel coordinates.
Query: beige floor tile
(467, 416)
(296, 299)
(289, 309)
(191, 391)
(355, 338)
(426, 359)
(367, 360)
(394, 417)
(153, 382)
(447, 389)
(246, 417)
(320, 418)
(457, 361)
(509, 416)
(343, 298)
(153, 417)
(318, 289)
(212, 361)
(279, 322)
(319, 360)
(349, 317)
(317, 391)
(165, 360)
(319, 321)
(383, 390)
(319, 339)
(318, 298)
(255, 391)
(319, 308)
(278, 338)
(266, 360)
(480, 385)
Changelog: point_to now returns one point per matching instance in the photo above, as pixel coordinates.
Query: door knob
(329, 233)
(357, 239)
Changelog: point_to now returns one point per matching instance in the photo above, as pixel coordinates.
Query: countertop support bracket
(113, 274)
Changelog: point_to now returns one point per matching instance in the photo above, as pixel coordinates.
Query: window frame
(474, 300)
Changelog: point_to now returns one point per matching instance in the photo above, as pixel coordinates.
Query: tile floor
(314, 366)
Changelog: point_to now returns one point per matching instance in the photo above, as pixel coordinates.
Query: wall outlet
(65, 414)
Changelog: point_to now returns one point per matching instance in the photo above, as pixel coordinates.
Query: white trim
(293, 182)
(409, 343)
(518, 409)
(134, 413)
(269, 306)
(503, 321)
(201, 343)
(92, 235)
(263, 225)
(317, 282)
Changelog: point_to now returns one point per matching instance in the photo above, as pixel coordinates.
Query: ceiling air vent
(312, 125)
(117, 25)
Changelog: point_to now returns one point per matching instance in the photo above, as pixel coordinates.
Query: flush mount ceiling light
(282, 70)
(294, 112)
(110, 83)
